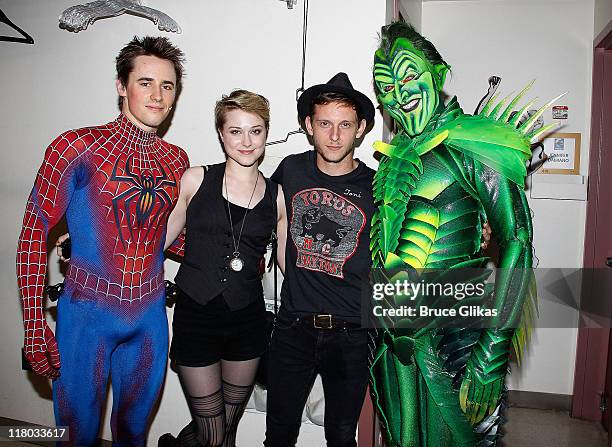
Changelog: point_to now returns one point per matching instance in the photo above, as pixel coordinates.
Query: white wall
(66, 80)
(412, 12)
(551, 41)
(603, 15)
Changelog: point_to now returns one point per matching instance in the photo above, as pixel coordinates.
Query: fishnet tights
(216, 404)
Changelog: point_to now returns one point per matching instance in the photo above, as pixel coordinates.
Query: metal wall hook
(290, 3)
(301, 88)
(293, 132)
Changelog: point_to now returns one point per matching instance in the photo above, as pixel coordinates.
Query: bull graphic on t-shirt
(317, 225)
(325, 229)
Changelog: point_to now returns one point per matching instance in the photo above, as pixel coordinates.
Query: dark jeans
(297, 354)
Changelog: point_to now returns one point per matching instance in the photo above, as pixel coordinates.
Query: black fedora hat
(340, 83)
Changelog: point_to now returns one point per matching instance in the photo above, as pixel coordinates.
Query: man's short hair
(159, 47)
(329, 97)
(242, 100)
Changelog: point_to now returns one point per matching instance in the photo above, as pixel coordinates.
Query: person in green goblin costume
(443, 175)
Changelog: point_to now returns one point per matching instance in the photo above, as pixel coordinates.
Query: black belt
(327, 321)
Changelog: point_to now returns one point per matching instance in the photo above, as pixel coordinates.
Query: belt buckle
(322, 321)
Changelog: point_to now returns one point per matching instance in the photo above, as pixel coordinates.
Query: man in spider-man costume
(116, 184)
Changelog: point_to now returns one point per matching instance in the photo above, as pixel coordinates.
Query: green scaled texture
(391, 189)
(492, 143)
(443, 175)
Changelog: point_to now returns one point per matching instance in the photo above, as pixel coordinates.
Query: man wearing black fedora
(325, 254)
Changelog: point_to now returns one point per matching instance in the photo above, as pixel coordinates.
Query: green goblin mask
(408, 85)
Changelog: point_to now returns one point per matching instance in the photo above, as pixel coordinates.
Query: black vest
(204, 272)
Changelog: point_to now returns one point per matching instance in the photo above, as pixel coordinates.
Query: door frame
(593, 345)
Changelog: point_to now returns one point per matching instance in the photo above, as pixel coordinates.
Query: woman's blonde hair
(242, 100)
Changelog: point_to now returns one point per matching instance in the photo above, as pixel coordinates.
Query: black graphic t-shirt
(327, 258)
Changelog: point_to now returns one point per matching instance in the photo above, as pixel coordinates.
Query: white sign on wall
(563, 151)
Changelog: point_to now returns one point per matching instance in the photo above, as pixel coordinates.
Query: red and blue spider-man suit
(116, 184)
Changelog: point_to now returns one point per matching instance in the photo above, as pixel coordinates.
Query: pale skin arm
(281, 229)
(190, 182)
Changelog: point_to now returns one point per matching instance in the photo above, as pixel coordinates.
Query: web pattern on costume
(83, 173)
(178, 246)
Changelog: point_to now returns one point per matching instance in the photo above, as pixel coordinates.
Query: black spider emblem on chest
(145, 192)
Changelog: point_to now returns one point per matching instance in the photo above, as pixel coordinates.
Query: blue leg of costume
(138, 368)
(130, 342)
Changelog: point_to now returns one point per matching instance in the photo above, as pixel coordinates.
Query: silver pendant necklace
(236, 263)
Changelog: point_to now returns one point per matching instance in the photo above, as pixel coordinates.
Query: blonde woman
(228, 211)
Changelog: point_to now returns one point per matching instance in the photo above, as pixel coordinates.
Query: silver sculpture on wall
(79, 17)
